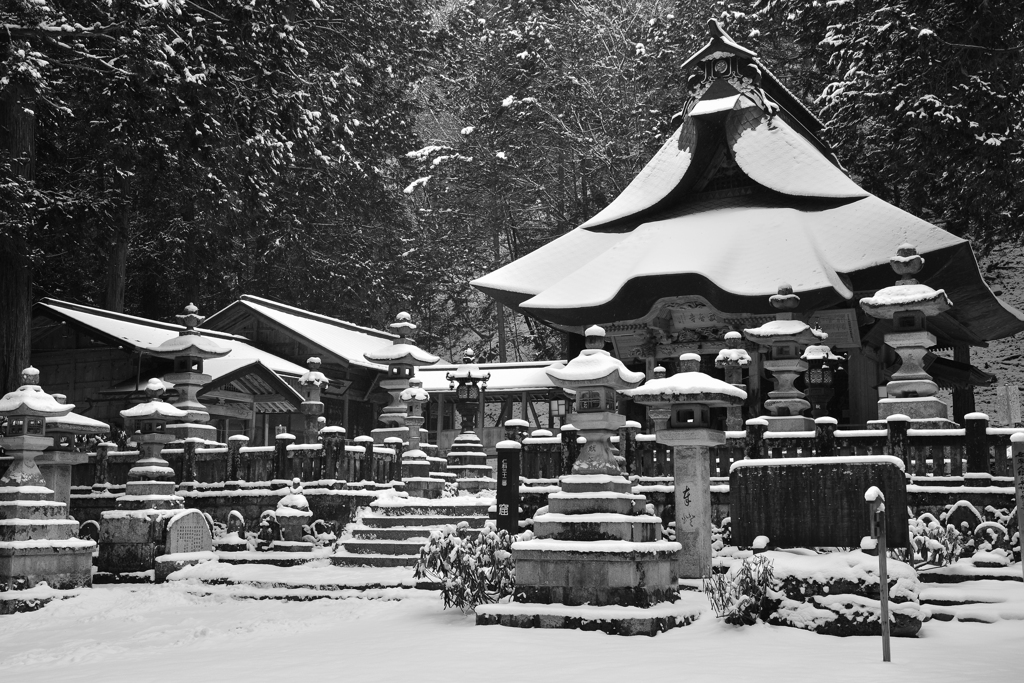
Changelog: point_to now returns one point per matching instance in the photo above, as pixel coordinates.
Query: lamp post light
(469, 383)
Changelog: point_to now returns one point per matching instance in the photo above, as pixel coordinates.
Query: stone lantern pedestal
(681, 409)
(596, 546)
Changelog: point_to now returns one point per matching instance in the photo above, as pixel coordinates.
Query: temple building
(745, 197)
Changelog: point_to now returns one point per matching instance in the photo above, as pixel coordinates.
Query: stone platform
(614, 619)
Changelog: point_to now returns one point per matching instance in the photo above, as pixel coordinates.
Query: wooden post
(754, 447)
(235, 444)
(1017, 444)
(976, 447)
(507, 495)
(876, 500)
(825, 436)
(279, 469)
(897, 442)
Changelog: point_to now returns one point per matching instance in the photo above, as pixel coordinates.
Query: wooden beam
(231, 410)
(229, 395)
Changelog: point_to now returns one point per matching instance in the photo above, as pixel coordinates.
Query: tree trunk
(117, 262)
(17, 147)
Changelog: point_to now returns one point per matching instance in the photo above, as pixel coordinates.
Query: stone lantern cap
(189, 342)
(402, 351)
(785, 331)
(73, 423)
(313, 375)
(155, 407)
(688, 387)
(594, 367)
(415, 393)
(819, 352)
(468, 369)
(907, 294)
(30, 399)
(733, 355)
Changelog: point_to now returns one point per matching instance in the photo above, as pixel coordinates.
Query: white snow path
(161, 633)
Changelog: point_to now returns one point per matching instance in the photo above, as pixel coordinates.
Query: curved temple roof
(742, 197)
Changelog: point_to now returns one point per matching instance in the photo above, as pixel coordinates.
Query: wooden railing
(974, 453)
(330, 461)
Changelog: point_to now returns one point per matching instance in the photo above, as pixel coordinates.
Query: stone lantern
(681, 407)
(131, 535)
(467, 459)
(732, 360)
(820, 378)
(401, 357)
(311, 383)
(26, 409)
(37, 541)
(596, 377)
(909, 304)
(415, 461)
(56, 462)
(786, 338)
(597, 545)
(188, 351)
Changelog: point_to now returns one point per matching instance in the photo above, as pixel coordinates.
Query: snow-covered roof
(143, 333)
(154, 409)
(785, 211)
(30, 399)
(339, 338)
(505, 377)
(778, 329)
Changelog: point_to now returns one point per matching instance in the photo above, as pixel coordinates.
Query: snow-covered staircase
(392, 531)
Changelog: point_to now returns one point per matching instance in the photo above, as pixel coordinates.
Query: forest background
(357, 158)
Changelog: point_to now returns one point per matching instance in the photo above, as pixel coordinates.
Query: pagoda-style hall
(743, 198)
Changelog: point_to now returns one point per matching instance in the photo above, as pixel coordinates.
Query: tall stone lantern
(56, 462)
(401, 357)
(909, 304)
(467, 459)
(37, 540)
(597, 545)
(132, 535)
(188, 351)
(596, 377)
(415, 462)
(680, 407)
(732, 360)
(312, 383)
(786, 337)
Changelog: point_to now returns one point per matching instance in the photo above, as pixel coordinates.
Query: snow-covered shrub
(740, 596)
(451, 489)
(935, 543)
(473, 566)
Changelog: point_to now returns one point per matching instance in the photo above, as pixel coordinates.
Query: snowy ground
(166, 633)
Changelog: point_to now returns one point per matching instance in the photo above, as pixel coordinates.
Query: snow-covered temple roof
(742, 197)
(505, 377)
(250, 368)
(342, 340)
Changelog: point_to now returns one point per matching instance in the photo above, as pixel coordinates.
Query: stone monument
(402, 358)
(908, 304)
(467, 459)
(597, 546)
(37, 540)
(681, 406)
(312, 382)
(732, 360)
(786, 337)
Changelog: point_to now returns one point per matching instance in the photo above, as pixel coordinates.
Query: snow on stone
(153, 409)
(784, 328)
(594, 364)
(733, 356)
(552, 545)
(906, 295)
(395, 352)
(683, 385)
(841, 460)
(32, 399)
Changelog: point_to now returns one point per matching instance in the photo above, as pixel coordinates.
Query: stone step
(596, 502)
(476, 484)
(25, 493)
(32, 509)
(383, 521)
(269, 557)
(374, 560)
(466, 469)
(37, 529)
(383, 546)
(397, 533)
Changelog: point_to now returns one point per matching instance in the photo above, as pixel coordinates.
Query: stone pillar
(279, 475)
(311, 383)
(507, 496)
(1017, 444)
